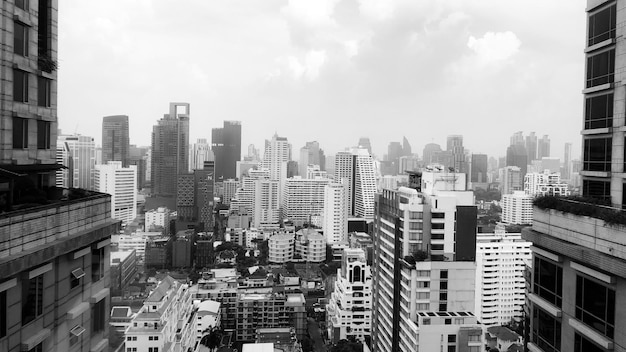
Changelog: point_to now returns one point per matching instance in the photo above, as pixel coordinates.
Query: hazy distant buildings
(226, 146)
(311, 154)
(120, 182)
(139, 157)
(170, 141)
(478, 170)
(454, 146)
(199, 152)
(566, 170)
(531, 146)
(516, 155)
(543, 147)
(511, 179)
(115, 140)
(364, 142)
(78, 154)
(430, 150)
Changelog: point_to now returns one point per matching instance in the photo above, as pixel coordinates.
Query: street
(314, 332)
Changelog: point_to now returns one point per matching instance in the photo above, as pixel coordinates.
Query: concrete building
(304, 198)
(120, 182)
(424, 253)
(54, 243)
(229, 187)
(545, 183)
(578, 280)
(121, 318)
(270, 310)
(158, 218)
(454, 146)
(115, 140)
(356, 169)
(277, 155)
(511, 179)
(226, 146)
(78, 154)
(310, 246)
(349, 310)
(501, 260)
(158, 252)
(266, 202)
(166, 322)
(281, 248)
(335, 216)
(199, 152)
(182, 256)
(208, 317)
(123, 271)
(170, 150)
(517, 208)
(195, 196)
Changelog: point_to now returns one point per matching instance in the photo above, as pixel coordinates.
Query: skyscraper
(455, 146)
(355, 168)
(170, 150)
(277, 155)
(78, 154)
(226, 146)
(364, 142)
(115, 141)
(54, 247)
(516, 155)
(199, 152)
(531, 146)
(121, 183)
(543, 147)
(578, 282)
(478, 172)
(311, 154)
(335, 219)
(566, 171)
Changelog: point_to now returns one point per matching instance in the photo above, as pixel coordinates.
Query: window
(443, 274)
(426, 321)
(443, 296)
(98, 316)
(447, 321)
(44, 92)
(20, 39)
(600, 68)
(443, 307)
(602, 25)
(451, 338)
(32, 299)
(20, 86)
(548, 281)
(38, 348)
(43, 134)
(438, 226)
(451, 348)
(22, 4)
(597, 189)
(599, 111)
(546, 331)
(597, 154)
(75, 277)
(581, 344)
(595, 305)
(473, 338)
(3, 314)
(97, 264)
(443, 285)
(20, 133)
(437, 247)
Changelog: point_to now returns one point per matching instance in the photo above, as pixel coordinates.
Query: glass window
(32, 299)
(597, 154)
(600, 68)
(443, 285)
(43, 134)
(20, 86)
(548, 281)
(22, 4)
(20, 133)
(581, 344)
(438, 226)
(443, 274)
(20, 39)
(3, 314)
(546, 331)
(98, 316)
(97, 264)
(595, 305)
(599, 111)
(44, 92)
(602, 25)
(597, 189)
(451, 338)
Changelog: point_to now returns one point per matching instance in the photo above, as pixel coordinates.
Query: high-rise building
(170, 150)
(531, 146)
(364, 142)
(356, 169)
(304, 199)
(518, 138)
(275, 159)
(455, 146)
(430, 150)
(266, 204)
(566, 170)
(194, 198)
(120, 182)
(478, 166)
(138, 157)
(516, 155)
(335, 217)
(226, 146)
(517, 208)
(424, 269)
(511, 180)
(229, 188)
(501, 260)
(578, 278)
(199, 152)
(115, 141)
(311, 154)
(543, 147)
(349, 309)
(78, 154)
(54, 247)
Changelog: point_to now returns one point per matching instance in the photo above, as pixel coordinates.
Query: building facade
(115, 140)
(123, 271)
(335, 217)
(226, 146)
(304, 198)
(545, 183)
(78, 154)
(356, 169)
(517, 208)
(120, 182)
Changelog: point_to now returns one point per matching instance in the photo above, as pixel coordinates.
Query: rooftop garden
(583, 206)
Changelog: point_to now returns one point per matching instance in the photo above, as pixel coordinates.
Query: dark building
(543, 147)
(531, 146)
(226, 146)
(204, 250)
(123, 271)
(516, 156)
(138, 157)
(479, 167)
(115, 141)
(182, 249)
(194, 199)
(170, 150)
(159, 252)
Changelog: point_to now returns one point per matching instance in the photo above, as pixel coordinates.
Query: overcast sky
(328, 70)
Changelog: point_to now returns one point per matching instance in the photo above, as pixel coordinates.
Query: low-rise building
(159, 219)
(121, 318)
(269, 310)
(158, 251)
(310, 246)
(281, 248)
(123, 271)
(208, 317)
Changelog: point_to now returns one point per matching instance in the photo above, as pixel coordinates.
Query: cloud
(351, 48)
(311, 13)
(376, 9)
(306, 68)
(495, 46)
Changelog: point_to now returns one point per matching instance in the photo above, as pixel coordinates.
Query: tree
(264, 252)
(307, 344)
(212, 338)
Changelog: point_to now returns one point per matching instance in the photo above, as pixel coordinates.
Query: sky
(328, 70)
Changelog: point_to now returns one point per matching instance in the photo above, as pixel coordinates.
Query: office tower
(304, 200)
(501, 260)
(455, 146)
(311, 154)
(115, 141)
(226, 146)
(120, 182)
(511, 179)
(430, 150)
(364, 142)
(170, 150)
(277, 155)
(566, 170)
(517, 208)
(335, 217)
(531, 146)
(253, 153)
(199, 152)
(138, 157)
(166, 322)
(406, 147)
(578, 280)
(517, 138)
(229, 187)
(194, 197)
(78, 154)
(349, 309)
(478, 172)
(356, 169)
(543, 147)
(516, 156)
(545, 183)
(424, 269)
(54, 250)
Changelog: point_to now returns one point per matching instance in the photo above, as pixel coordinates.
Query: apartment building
(517, 208)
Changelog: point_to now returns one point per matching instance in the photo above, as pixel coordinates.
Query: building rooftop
(121, 312)
(258, 347)
(161, 290)
(503, 333)
(209, 306)
(120, 255)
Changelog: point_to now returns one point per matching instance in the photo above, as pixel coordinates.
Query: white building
(137, 242)
(349, 310)
(266, 202)
(166, 322)
(511, 179)
(159, 218)
(199, 152)
(313, 171)
(310, 245)
(121, 183)
(277, 154)
(243, 202)
(229, 187)
(545, 183)
(281, 248)
(78, 154)
(208, 316)
(335, 216)
(356, 168)
(517, 208)
(304, 198)
(500, 284)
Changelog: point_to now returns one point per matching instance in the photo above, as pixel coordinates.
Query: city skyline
(293, 71)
